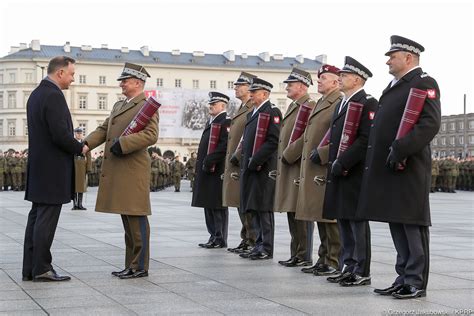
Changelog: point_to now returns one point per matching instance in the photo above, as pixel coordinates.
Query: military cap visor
(78, 130)
(215, 97)
(298, 75)
(244, 78)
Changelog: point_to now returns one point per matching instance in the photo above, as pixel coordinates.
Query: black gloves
(337, 169)
(116, 149)
(314, 156)
(394, 161)
(284, 161)
(252, 165)
(234, 160)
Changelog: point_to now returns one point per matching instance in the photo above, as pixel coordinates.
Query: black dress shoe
(51, 276)
(215, 245)
(388, 291)
(303, 263)
(27, 278)
(246, 248)
(325, 270)
(338, 277)
(285, 262)
(355, 280)
(312, 268)
(409, 291)
(118, 273)
(204, 245)
(260, 256)
(134, 274)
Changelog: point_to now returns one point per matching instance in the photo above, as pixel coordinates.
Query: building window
(11, 128)
(102, 80)
(83, 101)
(195, 84)
(12, 100)
(213, 84)
(1, 100)
(1, 127)
(177, 83)
(461, 140)
(281, 103)
(452, 126)
(435, 142)
(26, 96)
(83, 125)
(471, 124)
(471, 139)
(102, 102)
(28, 77)
(12, 77)
(443, 127)
(25, 127)
(461, 125)
(82, 79)
(230, 85)
(452, 140)
(159, 82)
(443, 141)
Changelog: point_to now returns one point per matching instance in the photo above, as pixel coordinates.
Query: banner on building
(184, 113)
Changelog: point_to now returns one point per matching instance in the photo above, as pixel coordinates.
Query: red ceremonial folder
(261, 134)
(143, 116)
(326, 139)
(351, 124)
(413, 108)
(301, 122)
(213, 141)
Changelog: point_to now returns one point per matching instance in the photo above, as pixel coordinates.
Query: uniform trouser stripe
(143, 233)
(425, 240)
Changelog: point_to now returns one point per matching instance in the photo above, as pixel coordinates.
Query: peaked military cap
(353, 66)
(399, 43)
(78, 130)
(328, 68)
(133, 71)
(215, 96)
(245, 78)
(298, 75)
(260, 84)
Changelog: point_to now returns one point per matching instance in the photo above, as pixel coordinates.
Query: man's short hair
(59, 62)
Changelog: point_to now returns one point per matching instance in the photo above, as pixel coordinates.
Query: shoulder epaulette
(424, 75)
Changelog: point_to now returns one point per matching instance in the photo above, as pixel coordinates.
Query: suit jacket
(207, 191)
(231, 187)
(342, 193)
(257, 190)
(124, 185)
(401, 196)
(310, 195)
(51, 146)
(286, 192)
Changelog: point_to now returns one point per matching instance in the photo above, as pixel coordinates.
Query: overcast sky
(290, 27)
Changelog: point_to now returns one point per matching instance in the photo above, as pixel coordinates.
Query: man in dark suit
(345, 177)
(257, 190)
(50, 183)
(401, 196)
(207, 191)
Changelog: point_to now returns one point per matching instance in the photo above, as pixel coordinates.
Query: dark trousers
(329, 250)
(264, 222)
(356, 252)
(413, 254)
(39, 235)
(217, 223)
(137, 242)
(301, 233)
(247, 233)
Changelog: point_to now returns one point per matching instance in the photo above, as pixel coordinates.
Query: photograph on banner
(185, 112)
